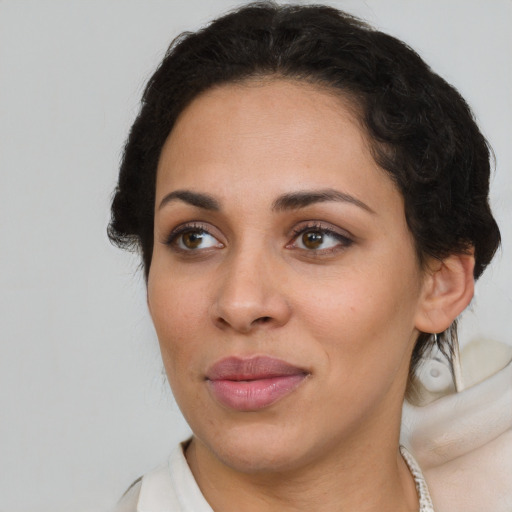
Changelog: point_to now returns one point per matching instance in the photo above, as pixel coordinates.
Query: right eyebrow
(197, 199)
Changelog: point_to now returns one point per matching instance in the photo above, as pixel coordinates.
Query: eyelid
(171, 238)
(344, 237)
(321, 226)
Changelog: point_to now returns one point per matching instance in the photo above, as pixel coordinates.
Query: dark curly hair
(421, 130)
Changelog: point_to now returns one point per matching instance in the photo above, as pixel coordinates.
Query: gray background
(84, 407)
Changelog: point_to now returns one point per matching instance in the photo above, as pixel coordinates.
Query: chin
(256, 448)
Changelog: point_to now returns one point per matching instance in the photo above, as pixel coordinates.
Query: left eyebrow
(301, 199)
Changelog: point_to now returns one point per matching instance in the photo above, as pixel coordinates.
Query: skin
(347, 312)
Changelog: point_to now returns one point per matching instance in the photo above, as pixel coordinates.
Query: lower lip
(252, 395)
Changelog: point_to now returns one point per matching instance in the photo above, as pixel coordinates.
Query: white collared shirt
(172, 488)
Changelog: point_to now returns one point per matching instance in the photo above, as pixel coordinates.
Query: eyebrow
(301, 199)
(291, 201)
(197, 199)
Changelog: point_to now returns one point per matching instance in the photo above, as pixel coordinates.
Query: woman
(311, 205)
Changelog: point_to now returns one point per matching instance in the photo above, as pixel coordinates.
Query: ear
(448, 288)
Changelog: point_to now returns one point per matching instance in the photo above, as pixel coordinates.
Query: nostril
(263, 319)
(222, 322)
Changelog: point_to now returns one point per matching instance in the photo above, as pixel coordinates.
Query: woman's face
(284, 285)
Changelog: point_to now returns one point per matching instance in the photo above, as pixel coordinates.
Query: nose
(250, 294)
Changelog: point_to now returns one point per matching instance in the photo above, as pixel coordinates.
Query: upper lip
(252, 368)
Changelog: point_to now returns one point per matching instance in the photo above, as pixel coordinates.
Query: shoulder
(170, 487)
(463, 443)
(155, 491)
(129, 500)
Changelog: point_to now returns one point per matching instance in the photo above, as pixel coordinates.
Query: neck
(358, 477)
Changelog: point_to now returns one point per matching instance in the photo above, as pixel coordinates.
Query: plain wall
(84, 407)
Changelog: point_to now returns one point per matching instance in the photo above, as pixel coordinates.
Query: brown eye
(319, 240)
(312, 239)
(192, 239)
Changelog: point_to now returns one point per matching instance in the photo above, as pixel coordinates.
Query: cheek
(365, 316)
(176, 318)
(366, 339)
(179, 309)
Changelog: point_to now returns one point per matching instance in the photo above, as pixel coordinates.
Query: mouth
(254, 383)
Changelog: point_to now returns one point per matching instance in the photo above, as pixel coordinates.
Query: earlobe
(447, 290)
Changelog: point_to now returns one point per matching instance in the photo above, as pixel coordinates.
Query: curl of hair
(421, 131)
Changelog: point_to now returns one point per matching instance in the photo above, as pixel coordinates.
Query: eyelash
(345, 241)
(173, 238)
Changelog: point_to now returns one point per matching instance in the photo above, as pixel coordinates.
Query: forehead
(279, 133)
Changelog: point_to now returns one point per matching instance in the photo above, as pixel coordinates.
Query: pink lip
(254, 383)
